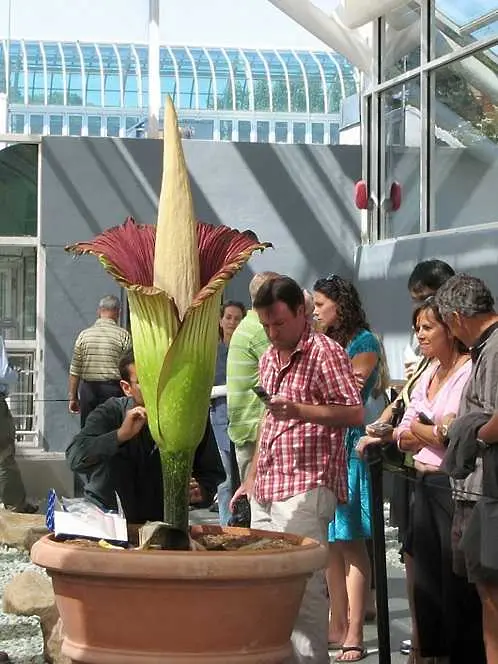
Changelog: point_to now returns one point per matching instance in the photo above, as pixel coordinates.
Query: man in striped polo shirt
(94, 372)
(245, 409)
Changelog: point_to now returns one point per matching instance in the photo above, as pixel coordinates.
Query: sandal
(360, 650)
(335, 645)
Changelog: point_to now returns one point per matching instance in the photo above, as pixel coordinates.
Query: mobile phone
(380, 428)
(262, 394)
(424, 419)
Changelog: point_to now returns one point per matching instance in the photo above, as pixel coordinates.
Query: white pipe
(355, 13)
(329, 29)
(154, 74)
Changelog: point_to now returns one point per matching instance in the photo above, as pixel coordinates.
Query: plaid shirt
(297, 456)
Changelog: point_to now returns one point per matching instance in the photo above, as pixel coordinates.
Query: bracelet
(435, 431)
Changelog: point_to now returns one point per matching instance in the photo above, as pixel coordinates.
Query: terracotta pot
(167, 607)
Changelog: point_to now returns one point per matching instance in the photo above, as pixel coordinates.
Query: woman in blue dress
(339, 311)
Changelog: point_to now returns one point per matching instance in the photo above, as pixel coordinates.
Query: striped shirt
(98, 349)
(297, 456)
(245, 409)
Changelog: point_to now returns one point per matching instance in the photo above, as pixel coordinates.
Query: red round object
(395, 196)
(361, 195)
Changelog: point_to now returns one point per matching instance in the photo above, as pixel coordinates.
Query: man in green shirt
(245, 409)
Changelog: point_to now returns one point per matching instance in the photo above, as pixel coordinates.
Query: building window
(55, 125)
(17, 123)
(94, 125)
(334, 133)
(18, 293)
(317, 132)
(18, 190)
(202, 130)
(131, 121)
(464, 170)
(281, 132)
(75, 125)
(402, 155)
(226, 128)
(18, 328)
(244, 131)
(299, 132)
(113, 125)
(36, 124)
(263, 132)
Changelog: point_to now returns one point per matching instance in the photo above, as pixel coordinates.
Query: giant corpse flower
(174, 275)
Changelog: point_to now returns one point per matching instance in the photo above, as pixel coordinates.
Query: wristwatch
(443, 433)
(481, 445)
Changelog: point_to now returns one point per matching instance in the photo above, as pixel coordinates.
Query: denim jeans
(219, 422)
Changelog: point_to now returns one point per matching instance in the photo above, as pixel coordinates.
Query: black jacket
(133, 469)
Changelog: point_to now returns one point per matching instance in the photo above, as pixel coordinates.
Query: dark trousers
(12, 492)
(447, 607)
(92, 393)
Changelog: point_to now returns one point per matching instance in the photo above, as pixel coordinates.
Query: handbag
(394, 459)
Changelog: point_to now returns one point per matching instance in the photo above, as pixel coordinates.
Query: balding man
(245, 409)
(94, 372)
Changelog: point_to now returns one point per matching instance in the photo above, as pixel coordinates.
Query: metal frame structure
(110, 80)
(434, 25)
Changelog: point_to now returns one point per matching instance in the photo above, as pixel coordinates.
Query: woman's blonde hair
(383, 378)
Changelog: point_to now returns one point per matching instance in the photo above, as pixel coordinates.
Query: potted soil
(233, 604)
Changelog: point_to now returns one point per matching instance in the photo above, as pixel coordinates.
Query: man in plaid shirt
(299, 471)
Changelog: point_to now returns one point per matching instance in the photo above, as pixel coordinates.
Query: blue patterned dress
(352, 521)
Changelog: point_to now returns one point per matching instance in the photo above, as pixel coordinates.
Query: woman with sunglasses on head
(339, 312)
(446, 606)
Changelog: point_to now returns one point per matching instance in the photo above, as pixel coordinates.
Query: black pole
(374, 460)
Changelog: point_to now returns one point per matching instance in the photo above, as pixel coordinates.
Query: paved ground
(398, 604)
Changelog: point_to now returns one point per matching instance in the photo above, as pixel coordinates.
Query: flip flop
(362, 653)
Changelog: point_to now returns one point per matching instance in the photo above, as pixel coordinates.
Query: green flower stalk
(174, 275)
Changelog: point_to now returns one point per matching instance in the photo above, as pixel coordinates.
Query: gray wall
(298, 197)
(382, 272)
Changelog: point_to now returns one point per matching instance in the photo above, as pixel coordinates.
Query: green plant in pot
(174, 275)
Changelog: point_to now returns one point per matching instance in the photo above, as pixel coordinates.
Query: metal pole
(154, 74)
(374, 460)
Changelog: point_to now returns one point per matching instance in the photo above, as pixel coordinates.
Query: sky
(246, 23)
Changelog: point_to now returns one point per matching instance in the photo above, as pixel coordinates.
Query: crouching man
(117, 454)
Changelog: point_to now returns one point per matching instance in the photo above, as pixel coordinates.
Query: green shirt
(245, 409)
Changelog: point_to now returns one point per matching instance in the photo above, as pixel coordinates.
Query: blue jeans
(219, 422)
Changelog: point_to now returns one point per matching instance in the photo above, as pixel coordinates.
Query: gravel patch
(20, 636)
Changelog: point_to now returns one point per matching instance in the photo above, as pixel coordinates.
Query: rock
(54, 643)
(21, 530)
(31, 594)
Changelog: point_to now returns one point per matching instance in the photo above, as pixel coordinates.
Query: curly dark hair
(350, 311)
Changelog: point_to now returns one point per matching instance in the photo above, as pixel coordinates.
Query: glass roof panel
(462, 12)
(490, 30)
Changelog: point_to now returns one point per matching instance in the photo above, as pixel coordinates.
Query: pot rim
(72, 558)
